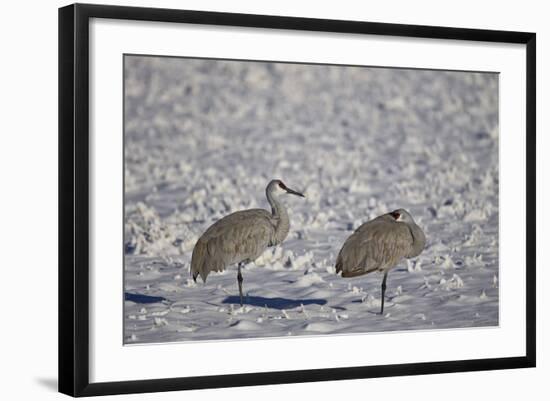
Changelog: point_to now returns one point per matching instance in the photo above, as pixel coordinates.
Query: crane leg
(383, 291)
(240, 280)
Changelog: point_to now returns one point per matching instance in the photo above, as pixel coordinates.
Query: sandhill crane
(379, 245)
(242, 237)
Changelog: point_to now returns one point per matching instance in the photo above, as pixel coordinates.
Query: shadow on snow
(142, 299)
(273, 303)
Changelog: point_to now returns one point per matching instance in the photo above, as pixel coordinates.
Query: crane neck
(279, 213)
(419, 240)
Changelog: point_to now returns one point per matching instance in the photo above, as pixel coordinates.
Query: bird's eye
(283, 186)
(395, 215)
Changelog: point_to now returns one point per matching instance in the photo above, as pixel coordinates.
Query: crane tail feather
(338, 265)
(198, 261)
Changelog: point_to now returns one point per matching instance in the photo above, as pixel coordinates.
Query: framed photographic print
(297, 199)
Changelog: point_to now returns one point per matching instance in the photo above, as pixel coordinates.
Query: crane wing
(377, 245)
(235, 238)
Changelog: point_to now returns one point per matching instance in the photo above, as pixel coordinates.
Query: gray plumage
(242, 236)
(379, 245)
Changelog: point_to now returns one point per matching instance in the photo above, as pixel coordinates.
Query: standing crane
(379, 245)
(243, 236)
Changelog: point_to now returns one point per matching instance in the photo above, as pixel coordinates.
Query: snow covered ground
(204, 137)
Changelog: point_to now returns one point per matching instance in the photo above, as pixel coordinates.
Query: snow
(204, 137)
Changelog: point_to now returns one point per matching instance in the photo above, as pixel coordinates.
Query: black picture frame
(74, 194)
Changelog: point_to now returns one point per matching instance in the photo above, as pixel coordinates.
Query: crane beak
(293, 192)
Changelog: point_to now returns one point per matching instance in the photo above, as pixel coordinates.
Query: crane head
(278, 186)
(401, 215)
